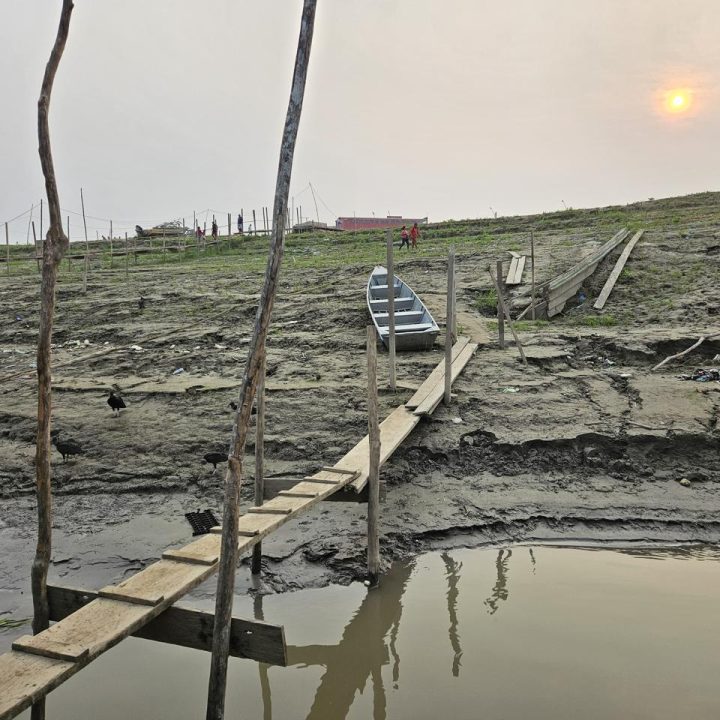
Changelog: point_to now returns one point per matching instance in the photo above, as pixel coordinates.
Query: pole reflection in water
(452, 572)
(500, 592)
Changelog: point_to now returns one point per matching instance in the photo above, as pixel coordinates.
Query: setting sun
(678, 100)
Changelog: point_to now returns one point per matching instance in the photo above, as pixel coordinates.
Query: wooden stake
(163, 250)
(254, 224)
(391, 308)
(507, 316)
(7, 248)
(532, 260)
(56, 246)
(256, 566)
(373, 540)
(41, 221)
(500, 316)
(248, 387)
(449, 324)
(111, 245)
(229, 228)
(68, 235)
(454, 302)
(127, 255)
(37, 254)
(87, 246)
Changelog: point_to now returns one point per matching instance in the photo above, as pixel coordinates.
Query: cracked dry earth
(583, 444)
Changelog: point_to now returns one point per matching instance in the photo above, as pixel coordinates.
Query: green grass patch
(599, 321)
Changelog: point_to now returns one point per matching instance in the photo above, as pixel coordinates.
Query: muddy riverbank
(585, 444)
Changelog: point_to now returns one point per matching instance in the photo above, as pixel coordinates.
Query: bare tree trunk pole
(55, 246)
(391, 308)
(87, 247)
(256, 565)
(449, 324)
(248, 388)
(373, 533)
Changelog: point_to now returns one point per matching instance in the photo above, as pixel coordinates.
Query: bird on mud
(65, 447)
(234, 406)
(213, 458)
(141, 303)
(116, 402)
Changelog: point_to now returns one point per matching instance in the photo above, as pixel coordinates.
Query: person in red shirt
(404, 238)
(414, 235)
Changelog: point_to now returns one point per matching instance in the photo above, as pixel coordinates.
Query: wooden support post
(506, 313)
(391, 308)
(373, 557)
(449, 324)
(500, 315)
(163, 250)
(532, 261)
(42, 237)
(7, 248)
(248, 386)
(454, 305)
(127, 255)
(68, 235)
(37, 254)
(87, 259)
(55, 246)
(111, 245)
(254, 224)
(229, 228)
(256, 565)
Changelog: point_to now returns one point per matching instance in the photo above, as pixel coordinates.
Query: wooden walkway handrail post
(256, 352)
(500, 314)
(505, 311)
(449, 319)
(373, 537)
(391, 308)
(256, 565)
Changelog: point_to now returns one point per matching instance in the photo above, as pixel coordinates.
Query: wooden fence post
(506, 312)
(532, 261)
(391, 309)
(254, 224)
(500, 316)
(87, 247)
(7, 248)
(111, 245)
(248, 386)
(37, 254)
(256, 565)
(229, 229)
(449, 324)
(68, 235)
(41, 220)
(373, 533)
(163, 249)
(127, 255)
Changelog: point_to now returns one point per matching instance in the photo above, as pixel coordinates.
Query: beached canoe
(415, 328)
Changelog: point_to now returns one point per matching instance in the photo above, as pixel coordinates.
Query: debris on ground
(703, 375)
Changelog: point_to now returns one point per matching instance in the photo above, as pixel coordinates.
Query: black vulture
(141, 303)
(65, 447)
(116, 402)
(213, 458)
(234, 406)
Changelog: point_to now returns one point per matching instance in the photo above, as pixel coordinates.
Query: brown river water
(493, 634)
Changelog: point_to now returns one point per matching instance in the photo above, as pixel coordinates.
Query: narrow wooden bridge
(95, 622)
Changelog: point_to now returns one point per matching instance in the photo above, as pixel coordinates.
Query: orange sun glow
(678, 100)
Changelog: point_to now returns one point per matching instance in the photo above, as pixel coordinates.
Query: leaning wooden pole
(256, 565)
(54, 248)
(391, 308)
(449, 320)
(248, 388)
(373, 533)
(87, 246)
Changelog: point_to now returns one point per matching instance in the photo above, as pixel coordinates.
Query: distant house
(375, 223)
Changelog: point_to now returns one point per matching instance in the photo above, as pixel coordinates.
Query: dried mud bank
(586, 444)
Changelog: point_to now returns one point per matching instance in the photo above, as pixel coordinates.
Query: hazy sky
(442, 108)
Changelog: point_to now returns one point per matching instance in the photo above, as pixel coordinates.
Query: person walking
(414, 235)
(404, 238)
(214, 229)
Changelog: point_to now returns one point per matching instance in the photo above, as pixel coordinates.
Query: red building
(373, 223)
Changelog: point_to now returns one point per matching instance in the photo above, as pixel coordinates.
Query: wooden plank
(188, 627)
(433, 399)
(435, 377)
(517, 267)
(615, 274)
(510, 277)
(336, 493)
(37, 645)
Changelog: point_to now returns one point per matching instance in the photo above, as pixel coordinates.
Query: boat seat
(383, 287)
(400, 302)
(401, 315)
(418, 327)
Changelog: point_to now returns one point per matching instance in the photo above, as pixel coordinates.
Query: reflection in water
(500, 591)
(263, 667)
(452, 572)
(532, 560)
(360, 654)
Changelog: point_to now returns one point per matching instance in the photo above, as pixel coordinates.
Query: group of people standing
(407, 238)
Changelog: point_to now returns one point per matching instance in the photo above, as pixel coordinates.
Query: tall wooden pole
(55, 247)
(506, 312)
(391, 308)
(7, 248)
(454, 304)
(449, 324)
(248, 388)
(111, 245)
(532, 260)
(35, 243)
(373, 532)
(127, 255)
(41, 220)
(254, 224)
(87, 246)
(68, 236)
(256, 566)
(500, 316)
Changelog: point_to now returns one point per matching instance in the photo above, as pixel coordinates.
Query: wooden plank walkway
(38, 664)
